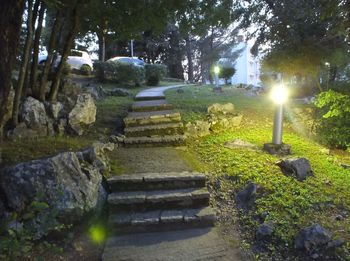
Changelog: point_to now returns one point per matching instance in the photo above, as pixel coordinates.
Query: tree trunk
(52, 43)
(189, 59)
(27, 76)
(101, 47)
(57, 77)
(10, 28)
(34, 67)
(24, 65)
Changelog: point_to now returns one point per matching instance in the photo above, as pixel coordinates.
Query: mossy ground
(290, 204)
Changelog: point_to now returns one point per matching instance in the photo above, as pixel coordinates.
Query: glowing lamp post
(279, 95)
(216, 73)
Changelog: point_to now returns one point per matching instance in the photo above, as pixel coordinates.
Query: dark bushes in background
(155, 73)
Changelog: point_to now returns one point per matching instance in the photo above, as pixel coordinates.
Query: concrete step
(148, 98)
(168, 140)
(153, 117)
(155, 130)
(199, 244)
(156, 181)
(158, 199)
(152, 105)
(161, 220)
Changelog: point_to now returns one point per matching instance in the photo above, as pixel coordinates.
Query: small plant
(85, 69)
(155, 73)
(227, 72)
(334, 124)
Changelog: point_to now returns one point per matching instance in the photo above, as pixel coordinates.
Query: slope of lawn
(290, 204)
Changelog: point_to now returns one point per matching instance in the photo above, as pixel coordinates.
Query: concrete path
(185, 245)
(155, 93)
(181, 245)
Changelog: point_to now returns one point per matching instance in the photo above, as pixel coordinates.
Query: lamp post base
(277, 149)
(217, 89)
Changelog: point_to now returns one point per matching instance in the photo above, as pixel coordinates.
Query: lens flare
(216, 69)
(97, 234)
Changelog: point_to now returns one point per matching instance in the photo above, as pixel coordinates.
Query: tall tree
(24, 65)
(10, 27)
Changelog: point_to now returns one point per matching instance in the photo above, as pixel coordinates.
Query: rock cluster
(70, 183)
(220, 117)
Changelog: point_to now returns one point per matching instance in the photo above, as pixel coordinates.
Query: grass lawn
(290, 204)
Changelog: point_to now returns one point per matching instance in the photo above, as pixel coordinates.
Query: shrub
(119, 72)
(85, 69)
(66, 69)
(155, 73)
(227, 72)
(334, 124)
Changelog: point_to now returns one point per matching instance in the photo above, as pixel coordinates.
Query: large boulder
(33, 114)
(83, 114)
(299, 168)
(69, 183)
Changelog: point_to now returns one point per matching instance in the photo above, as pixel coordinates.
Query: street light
(279, 95)
(216, 73)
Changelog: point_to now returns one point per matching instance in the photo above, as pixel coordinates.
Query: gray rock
(22, 131)
(118, 92)
(55, 109)
(312, 238)
(280, 149)
(299, 168)
(246, 198)
(221, 109)
(265, 231)
(223, 117)
(70, 183)
(197, 129)
(95, 90)
(33, 114)
(83, 113)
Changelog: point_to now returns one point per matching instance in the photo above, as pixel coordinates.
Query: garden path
(159, 209)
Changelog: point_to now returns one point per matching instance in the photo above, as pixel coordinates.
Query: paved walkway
(156, 92)
(181, 245)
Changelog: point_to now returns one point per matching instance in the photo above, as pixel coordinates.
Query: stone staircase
(153, 122)
(153, 202)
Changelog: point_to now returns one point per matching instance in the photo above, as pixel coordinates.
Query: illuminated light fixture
(216, 70)
(279, 94)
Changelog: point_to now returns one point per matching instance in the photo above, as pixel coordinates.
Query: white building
(247, 66)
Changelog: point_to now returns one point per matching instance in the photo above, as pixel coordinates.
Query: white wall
(247, 67)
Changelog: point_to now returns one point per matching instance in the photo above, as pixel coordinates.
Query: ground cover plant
(288, 203)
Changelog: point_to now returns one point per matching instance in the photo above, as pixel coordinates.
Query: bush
(227, 72)
(85, 69)
(334, 124)
(66, 69)
(155, 73)
(118, 72)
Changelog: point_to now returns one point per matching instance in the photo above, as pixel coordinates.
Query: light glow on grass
(97, 234)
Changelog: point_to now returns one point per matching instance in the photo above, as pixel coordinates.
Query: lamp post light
(279, 95)
(216, 74)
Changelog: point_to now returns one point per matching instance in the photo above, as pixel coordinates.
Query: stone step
(199, 244)
(158, 199)
(149, 97)
(161, 220)
(151, 117)
(151, 105)
(155, 130)
(156, 181)
(168, 140)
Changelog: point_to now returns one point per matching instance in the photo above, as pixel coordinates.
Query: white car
(125, 59)
(76, 59)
